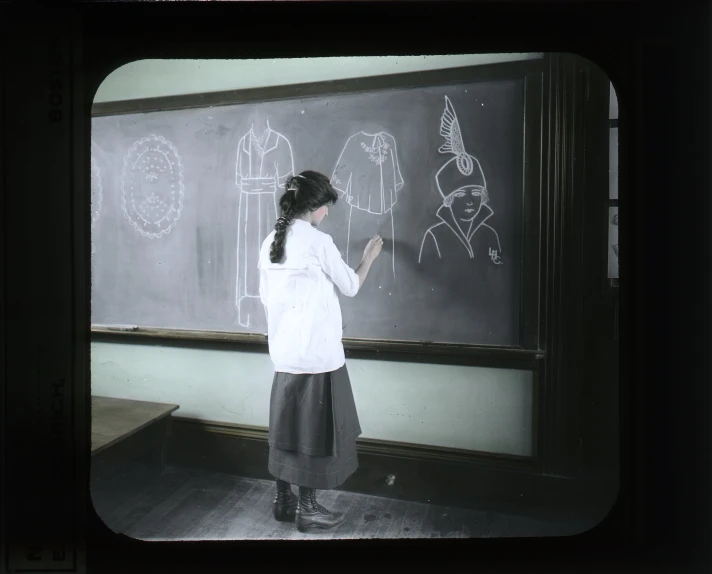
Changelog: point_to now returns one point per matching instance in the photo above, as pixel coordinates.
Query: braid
(276, 250)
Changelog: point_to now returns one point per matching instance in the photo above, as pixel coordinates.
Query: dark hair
(307, 191)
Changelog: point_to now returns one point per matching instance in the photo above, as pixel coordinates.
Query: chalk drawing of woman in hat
(461, 182)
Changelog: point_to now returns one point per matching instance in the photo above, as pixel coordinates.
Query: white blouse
(304, 325)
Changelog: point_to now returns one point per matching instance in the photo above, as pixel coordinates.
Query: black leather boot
(312, 515)
(285, 503)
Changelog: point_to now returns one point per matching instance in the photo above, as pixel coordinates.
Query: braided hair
(307, 191)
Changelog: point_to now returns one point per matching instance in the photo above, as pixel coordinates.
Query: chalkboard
(181, 201)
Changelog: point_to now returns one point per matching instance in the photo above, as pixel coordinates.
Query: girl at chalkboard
(313, 424)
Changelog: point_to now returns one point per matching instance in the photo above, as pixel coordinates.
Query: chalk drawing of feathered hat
(463, 169)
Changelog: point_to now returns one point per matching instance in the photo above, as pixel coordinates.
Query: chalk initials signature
(496, 259)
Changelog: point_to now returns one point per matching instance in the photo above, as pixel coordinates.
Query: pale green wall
(463, 407)
(152, 78)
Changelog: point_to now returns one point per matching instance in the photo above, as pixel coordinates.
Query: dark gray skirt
(313, 426)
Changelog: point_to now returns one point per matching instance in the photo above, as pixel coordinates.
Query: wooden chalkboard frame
(531, 348)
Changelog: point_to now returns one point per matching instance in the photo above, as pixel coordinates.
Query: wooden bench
(125, 431)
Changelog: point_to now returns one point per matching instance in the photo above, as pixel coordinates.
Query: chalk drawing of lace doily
(152, 186)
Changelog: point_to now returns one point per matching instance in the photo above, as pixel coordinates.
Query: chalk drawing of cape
(367, 172)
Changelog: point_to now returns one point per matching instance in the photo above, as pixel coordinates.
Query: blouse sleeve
(263, 287)
(336, 268)
(263, 278)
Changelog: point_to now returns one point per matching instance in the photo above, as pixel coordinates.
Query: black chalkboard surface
(181, 201)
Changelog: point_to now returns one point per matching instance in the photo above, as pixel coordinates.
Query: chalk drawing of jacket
(263, 165)
(447, 239)
(368, 174)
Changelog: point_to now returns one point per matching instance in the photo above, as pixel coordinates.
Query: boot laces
(316, 505)
(312, 503)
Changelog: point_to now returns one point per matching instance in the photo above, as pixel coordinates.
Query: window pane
(613, 164)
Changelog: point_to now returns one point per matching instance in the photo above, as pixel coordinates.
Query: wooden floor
(184, 504)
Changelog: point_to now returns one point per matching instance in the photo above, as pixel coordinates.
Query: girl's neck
(306, 217)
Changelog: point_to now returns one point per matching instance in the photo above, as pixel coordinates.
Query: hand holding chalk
(373, 248)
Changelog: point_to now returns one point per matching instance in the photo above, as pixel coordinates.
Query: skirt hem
(310, 451)
(312, 479)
